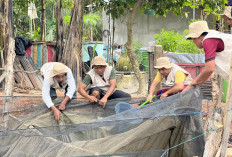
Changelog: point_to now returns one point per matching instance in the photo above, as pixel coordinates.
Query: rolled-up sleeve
(71, 84)
(46, 94)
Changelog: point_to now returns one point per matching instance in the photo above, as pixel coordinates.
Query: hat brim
(103, 64)
(166, 66)
(224, 16)
(52, 74)
(195, 35)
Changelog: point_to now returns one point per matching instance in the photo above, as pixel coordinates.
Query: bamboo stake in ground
(227, 115)
(9, 82)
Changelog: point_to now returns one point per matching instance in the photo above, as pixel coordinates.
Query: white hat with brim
(227, 13)
(196, 29)
(163, 62)
(58, 69)
(99, 60)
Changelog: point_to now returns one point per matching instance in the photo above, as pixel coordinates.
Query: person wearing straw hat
(172, 75)
(57, 76)
(100, 81)
(217, 47)
(227, 15)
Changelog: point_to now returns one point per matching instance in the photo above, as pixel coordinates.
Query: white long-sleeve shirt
(51, 82)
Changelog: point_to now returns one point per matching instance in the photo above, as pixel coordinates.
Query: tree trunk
(91, 11)
(80, 30)
(43, 27)
(59, 30)
(9, 82)
(6, 28)
(129, 46)
(72, 49)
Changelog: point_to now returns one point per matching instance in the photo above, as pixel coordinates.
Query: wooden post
(158, 53)
(228, 115)
(151, 68)
(9, 82)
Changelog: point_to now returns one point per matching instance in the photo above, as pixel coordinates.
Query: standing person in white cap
(172, 75)
(227, 15)
(57, 76)
(101, 83)
(217, 47)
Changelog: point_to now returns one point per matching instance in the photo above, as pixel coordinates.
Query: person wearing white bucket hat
(217, 47)
(172, 75)
(57, 76)
(100, 81)
(227, 15)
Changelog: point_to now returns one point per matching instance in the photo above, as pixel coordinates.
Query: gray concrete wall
(145, 26)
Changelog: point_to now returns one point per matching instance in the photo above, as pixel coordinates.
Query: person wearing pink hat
(172, 75)
(217, 47)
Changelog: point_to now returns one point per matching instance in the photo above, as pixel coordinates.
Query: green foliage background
(23, 27)
(175, 42)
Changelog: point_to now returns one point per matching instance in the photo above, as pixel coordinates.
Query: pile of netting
(171, 127)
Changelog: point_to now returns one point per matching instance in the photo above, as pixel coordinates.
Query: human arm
(46, 93)
(204, 75)
(108, 93)
(57, 113)
(48, 101)
(175, 89)
(112, 81)
(70, 90)
(152, 90)
(64, 102)
(71, 85)
(81, 90)
(180, 77)
(156, 81)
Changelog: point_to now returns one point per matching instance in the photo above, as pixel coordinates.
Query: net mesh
(86, 129)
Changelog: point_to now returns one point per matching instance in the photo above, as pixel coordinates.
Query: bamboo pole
(9, 82)
(227, 115)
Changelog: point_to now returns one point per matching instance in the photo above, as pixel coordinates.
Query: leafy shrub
(175, 42)
(32, 35)
(123, 63)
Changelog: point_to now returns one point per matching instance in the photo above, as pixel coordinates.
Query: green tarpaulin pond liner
(165, 128)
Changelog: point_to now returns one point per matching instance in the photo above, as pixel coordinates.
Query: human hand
(62, 106)
(102, 102)
(149, 97)
(92, 99)
(164, 95)
(57, 114)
